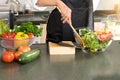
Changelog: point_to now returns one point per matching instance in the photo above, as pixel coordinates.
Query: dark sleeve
(54, 27)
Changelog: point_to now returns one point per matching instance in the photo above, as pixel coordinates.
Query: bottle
(27, 9)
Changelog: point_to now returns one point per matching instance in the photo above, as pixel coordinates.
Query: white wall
(106, 4)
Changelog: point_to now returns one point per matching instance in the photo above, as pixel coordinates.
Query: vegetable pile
(17, 40)
(24, 54)
(28, 27)
(19, 35)
(95, 41)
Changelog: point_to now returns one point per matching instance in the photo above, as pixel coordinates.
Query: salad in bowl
(95, 41)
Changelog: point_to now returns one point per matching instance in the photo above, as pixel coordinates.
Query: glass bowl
(14, 43)
(92, 41)
(101, 50)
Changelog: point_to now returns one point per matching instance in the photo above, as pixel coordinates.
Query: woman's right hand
(63, 8)
(65, 11)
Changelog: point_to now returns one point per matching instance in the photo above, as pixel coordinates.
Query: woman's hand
(63, 8)
(65, 11)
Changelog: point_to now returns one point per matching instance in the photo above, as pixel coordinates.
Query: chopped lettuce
(91, 41)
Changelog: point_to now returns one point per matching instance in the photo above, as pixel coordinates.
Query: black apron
(82, 16)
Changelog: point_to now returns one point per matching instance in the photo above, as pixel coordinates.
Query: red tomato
(8, 35)
(8, 56)
(104, 36)
(31, 35)
(17, 54)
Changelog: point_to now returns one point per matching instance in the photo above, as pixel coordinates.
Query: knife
(66, 44)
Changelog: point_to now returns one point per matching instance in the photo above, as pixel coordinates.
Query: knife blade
(66, 44)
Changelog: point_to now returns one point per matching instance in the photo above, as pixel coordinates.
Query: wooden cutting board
(58, 49)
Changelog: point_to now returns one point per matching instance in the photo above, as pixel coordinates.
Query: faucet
(15, 4)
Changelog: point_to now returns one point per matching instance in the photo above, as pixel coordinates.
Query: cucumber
(29, 56)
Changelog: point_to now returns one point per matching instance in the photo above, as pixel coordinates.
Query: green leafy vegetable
(4, 27)
(92, 42)
(83, 31)
(28, 27)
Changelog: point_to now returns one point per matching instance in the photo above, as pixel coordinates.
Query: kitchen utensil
(66, 44)
(77, 36)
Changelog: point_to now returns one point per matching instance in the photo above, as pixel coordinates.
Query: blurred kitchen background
(103, 4)
(17, 11)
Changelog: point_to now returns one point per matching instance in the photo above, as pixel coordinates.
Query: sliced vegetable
(95, 41)
(104, 36)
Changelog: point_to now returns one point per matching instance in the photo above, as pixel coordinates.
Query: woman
(80, 12)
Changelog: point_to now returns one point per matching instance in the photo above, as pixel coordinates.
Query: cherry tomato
(8, 56)
(17, 54)
(24, 48)
(31, 35)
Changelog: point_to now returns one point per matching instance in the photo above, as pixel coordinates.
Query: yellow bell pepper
(21, 35)
(21, 39)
